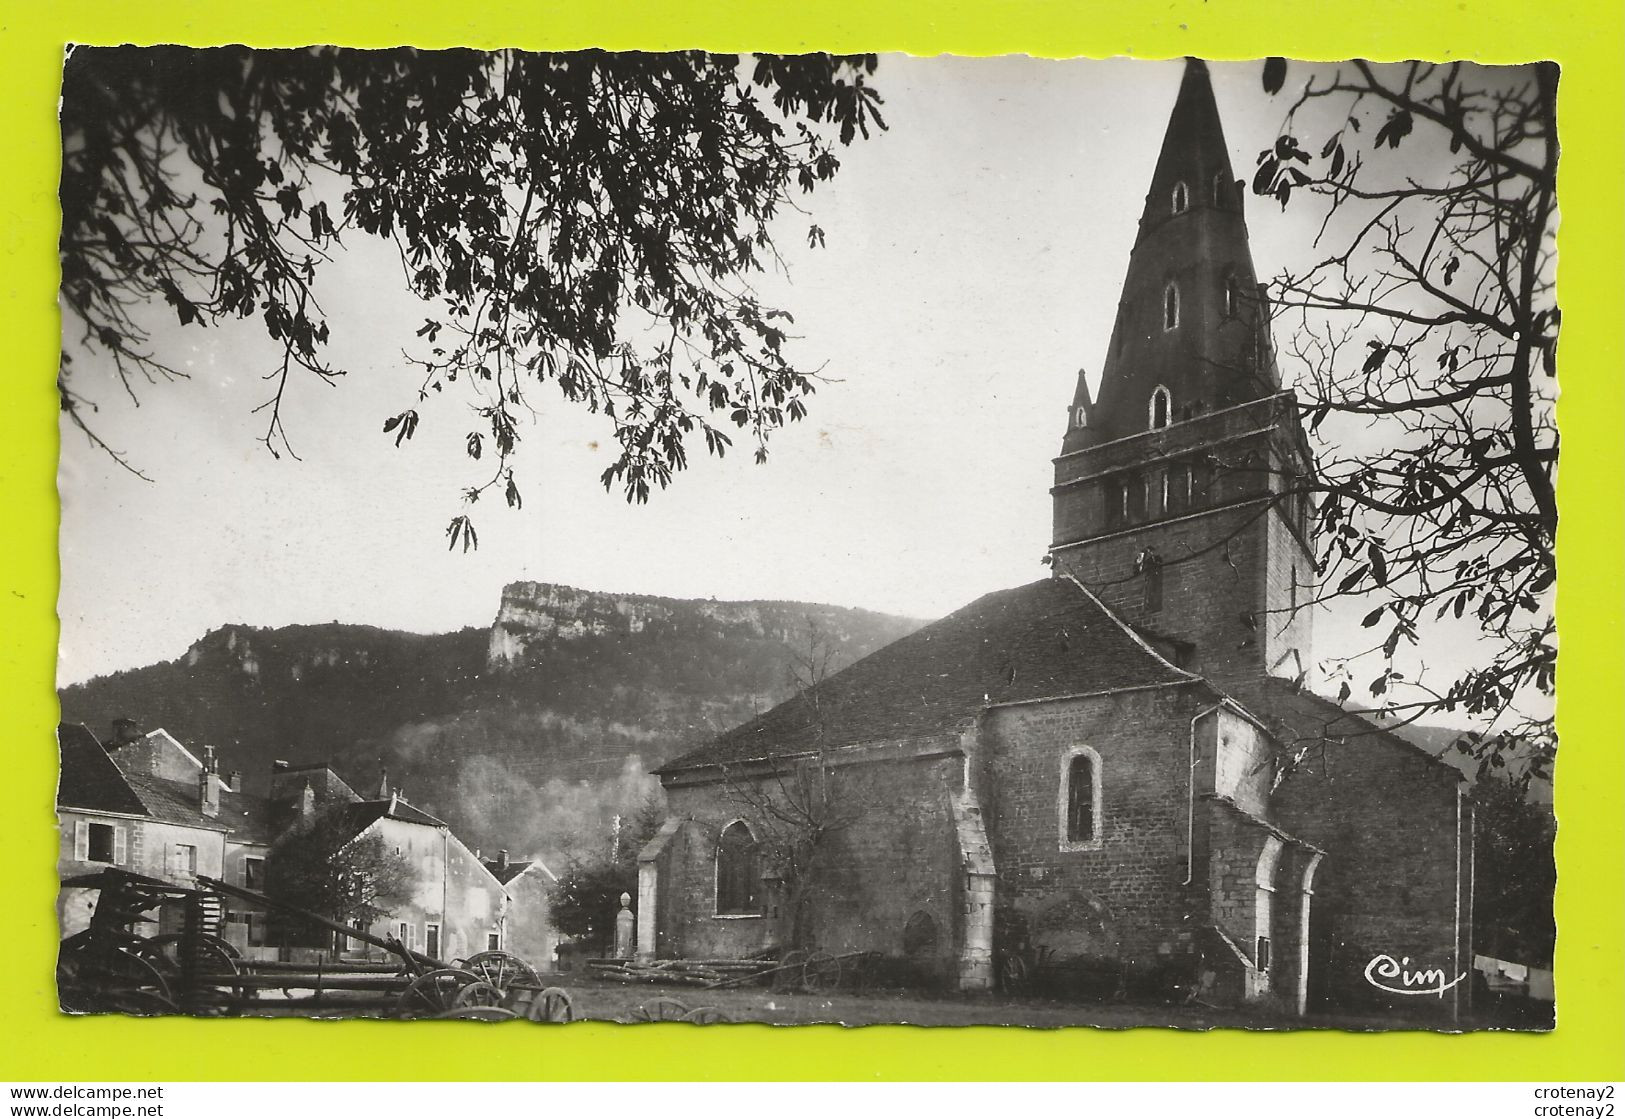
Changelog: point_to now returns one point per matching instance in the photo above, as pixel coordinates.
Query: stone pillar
(624, 937)
(976, 954)
(648, 907)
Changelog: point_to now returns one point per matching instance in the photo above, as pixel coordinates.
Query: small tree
(1515, 877)
(802, 803)
(325, 868)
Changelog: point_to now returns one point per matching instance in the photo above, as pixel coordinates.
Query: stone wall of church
(1124, 895)
(1397, 874)
(893, 857)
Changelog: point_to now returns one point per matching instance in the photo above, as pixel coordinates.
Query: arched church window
(737, 877)
(1080, 417)
(1162, 407)
(1182, 197)
(1080, 799)
(1170, 307)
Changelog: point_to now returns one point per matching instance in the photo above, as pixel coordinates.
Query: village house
(146, 803)
(1119, 766)
(529, 885)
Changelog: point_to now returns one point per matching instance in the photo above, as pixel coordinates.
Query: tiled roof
(1042, 640)
(1295, 717)
(252, 819)
(89, 779)
(173, 802)
(363, 814)
(505, 874)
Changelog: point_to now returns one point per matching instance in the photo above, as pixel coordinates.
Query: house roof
(89, 778)
(173, 802)
(1046, 639)
(252, 819)
(364, 814)
(505, 874)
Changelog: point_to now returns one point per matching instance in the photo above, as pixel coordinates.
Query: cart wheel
(479, 1014)
(785, 975)
(706, 1015)
(433, 993)
(477, 993)
(821, 972)
(101, 980)
(218, 959)
(660, 1010)
(551, 1004)
(501, 969)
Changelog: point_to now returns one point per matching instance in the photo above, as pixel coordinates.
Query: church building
(1118, 769)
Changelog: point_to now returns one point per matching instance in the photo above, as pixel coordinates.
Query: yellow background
(1587, 38)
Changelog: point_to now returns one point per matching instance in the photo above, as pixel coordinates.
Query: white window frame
(1063, 800)
(249, 880)
(716, 873)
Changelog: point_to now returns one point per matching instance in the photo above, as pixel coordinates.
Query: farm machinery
(122, 963)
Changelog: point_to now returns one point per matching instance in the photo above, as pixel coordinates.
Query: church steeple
(1191, 334)
(1175, 491)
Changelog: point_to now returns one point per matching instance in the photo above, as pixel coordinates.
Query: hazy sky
(973, 260)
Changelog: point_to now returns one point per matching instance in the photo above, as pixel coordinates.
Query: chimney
(502, 859)
(383, 784)
(208, 785)
(124, 732)
(307, 802)
(234, 781)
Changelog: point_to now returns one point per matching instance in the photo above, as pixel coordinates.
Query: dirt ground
(609, 1001)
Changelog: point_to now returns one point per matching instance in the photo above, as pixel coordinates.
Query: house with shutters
(148, 804)
(1118, 767)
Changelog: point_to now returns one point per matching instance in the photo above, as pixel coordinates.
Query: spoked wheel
(105, 980)
(477, 993)
(215, 958)
(501, 969)
(788, 972)
(480, 1014)
(551, 1004)
(661, 1010)
(434, 992)
(821, 972)
(706, 1015)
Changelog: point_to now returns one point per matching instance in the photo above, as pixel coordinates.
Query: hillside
(527, 736)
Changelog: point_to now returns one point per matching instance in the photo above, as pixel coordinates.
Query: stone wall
(1396, 875)
(1125, 898)
(894, 855)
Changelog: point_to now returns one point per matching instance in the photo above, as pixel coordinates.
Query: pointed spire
(1079, 416)
(1189, 336)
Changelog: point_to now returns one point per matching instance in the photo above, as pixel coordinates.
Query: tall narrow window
(1114, 496)
(1080, 799)
(1220, 190)
(1230, 295)
(736, 872)
(1182, 197)
(1162, 406)
(1177, 491)
(1170, 307)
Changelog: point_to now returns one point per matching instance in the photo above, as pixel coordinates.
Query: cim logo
(1383, 971)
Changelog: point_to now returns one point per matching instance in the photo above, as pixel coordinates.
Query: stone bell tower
(1175, 491)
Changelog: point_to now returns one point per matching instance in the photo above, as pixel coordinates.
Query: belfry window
(1230, 295)
(1181, 198)
(1162, 407)
(1080, 799)
(1170, 307)
(736, 872)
